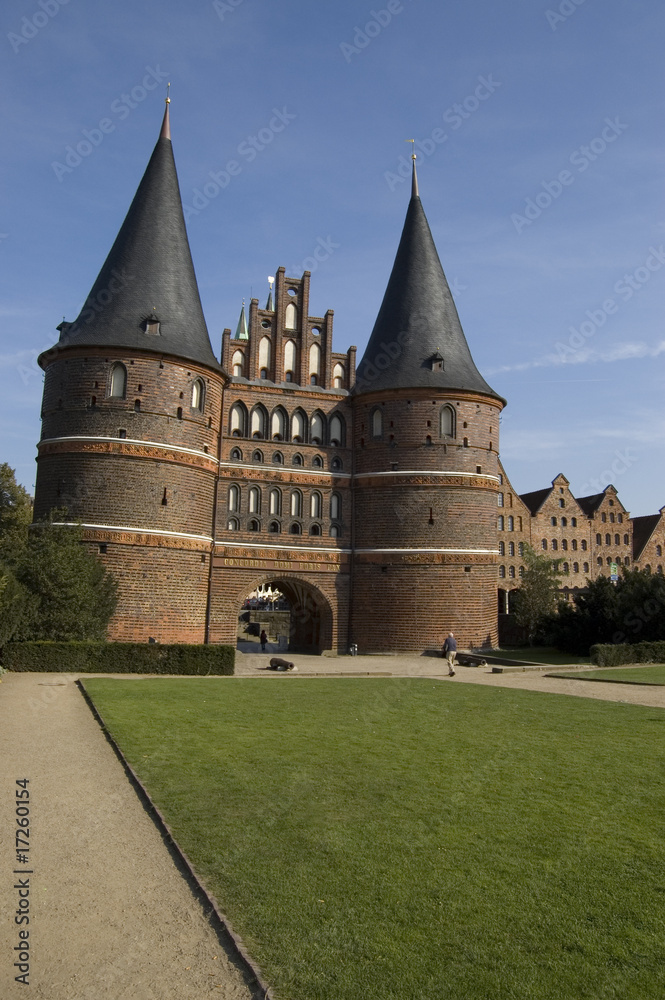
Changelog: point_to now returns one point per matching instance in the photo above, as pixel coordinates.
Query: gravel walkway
(111, 915)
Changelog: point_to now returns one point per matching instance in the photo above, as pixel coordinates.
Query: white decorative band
(457, 552)
(427, 472)
(298, 469)
(152, 444)
(134, 530)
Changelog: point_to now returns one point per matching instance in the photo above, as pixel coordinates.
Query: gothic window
(118, 381)
(336, 464)
(447, 421)
(289, 360)
(315, 505)
(278, 458)
(274, 528)
(317, 462)
(315, 360)
(291, 317)
(298, 426)
(254, 525)
(338, 376)
(234, 498)
(502, 548)
(617, 540)
(238, 420)
(337, 430)
(198, 395)
(296, 503)
(257, 456)
(233, 524)
(297, 459)
(258, 422)
(295, 529)
(315, 529)
(265, 351)
(275, 502)
(608, 539)
(254, 500)
(599, 539)
(278, 424)
(236, 455)
(336, 507)
(316, 429)
(238, 363)
(376, 421)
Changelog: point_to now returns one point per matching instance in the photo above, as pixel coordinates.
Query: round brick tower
(130, 419)
(426, 475)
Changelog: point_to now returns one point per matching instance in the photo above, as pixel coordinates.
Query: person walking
(449, 650)
(263, 638)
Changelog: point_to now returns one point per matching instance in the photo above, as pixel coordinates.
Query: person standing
(449, 650)
(263, 638)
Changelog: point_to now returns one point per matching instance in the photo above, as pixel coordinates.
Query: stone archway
(310, 621)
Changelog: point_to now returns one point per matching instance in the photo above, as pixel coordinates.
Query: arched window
(334, 531)
(511, 548)
(236, 455)
(377, 423)
(316, 429)
(257, 456)
(274, 527)
(620, 518)
(599, 539)
(315, 529)
(253, 525)
(118, 381)
(603, 517)
(337, 429)
(298, 424)
(511, 572)
(238, 421)
(315, 360)
(297, 459)
(599, 561)
(511, 523)
(576, 567)
(573, 545)
(608, 539)
(447, 421)
(520, 548)
(555, 545)
(338, 376)
(315, 505)
(278, 424)
(573, 522)
(289, 360)
(564, 522)
(617, 540)
(238, 363)
(254, 500)
(265, 351)
(234, 498)
(583, 545)
(198, 395)
(499, 499)
(566, 568)
(336, 507)
(336, 464)
(258, 422)
(275, 502)
(502, 548)
(296, 503)
(317, 462)
(564, 545)
(626, 540)
(295, 529)
(502, 571)
(233, 524)
(500, 522)
(291, 317)
(278, 458)
(585, 568)
(553, 522)
(543, 545)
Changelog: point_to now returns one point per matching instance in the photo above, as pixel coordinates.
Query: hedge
(118, 658)
(607, 655)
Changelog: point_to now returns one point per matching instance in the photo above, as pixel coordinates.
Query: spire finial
(269, 303)
(414, 176)
(166, 124)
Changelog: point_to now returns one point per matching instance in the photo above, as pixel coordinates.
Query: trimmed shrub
(119, 658)
(619, 653)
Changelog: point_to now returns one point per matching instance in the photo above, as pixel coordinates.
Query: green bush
(118, 658)
(616, 654)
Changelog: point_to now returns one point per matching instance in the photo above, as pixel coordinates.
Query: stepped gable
(146, 296)
(417, 340)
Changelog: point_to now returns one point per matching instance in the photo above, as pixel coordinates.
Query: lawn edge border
(220, 921)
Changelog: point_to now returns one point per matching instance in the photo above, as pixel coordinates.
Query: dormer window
(436, 362)
(151, 327)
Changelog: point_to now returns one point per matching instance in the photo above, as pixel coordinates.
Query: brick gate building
(369, 499)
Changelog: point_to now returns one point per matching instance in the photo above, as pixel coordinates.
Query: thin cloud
(585, 356)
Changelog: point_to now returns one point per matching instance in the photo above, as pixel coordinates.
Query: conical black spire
(418, 339)
(146, 296)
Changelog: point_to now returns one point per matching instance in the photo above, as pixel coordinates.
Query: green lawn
(408, 839)
(652, 674)
(539, 654)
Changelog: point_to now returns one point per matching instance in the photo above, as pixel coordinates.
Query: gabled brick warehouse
(369, 500)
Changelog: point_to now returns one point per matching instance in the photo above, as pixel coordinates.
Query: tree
(15, 515)
(15, 601)
(538, 592)
(74, 596)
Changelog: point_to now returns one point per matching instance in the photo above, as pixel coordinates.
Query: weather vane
(413, 148)
(168, 88)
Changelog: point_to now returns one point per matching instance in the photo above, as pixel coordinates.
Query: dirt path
(111, 916)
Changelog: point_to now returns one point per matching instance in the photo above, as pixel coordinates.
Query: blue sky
(540, 164)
